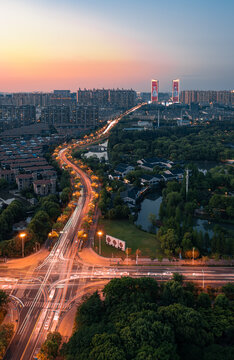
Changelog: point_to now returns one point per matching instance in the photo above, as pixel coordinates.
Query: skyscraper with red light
(154, 90)
(175, 90)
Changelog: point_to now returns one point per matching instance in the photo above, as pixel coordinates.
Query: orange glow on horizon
(46, 76)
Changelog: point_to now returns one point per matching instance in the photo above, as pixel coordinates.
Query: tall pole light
(22, 236)
(187, 182)
(100, 233)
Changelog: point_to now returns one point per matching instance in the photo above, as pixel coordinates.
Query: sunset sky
(67, 44)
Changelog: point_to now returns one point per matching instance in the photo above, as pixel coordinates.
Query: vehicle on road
(56, 316)
(46, 327)
(51, 294)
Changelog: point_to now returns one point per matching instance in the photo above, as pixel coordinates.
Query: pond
(150, 205)
(204, 226)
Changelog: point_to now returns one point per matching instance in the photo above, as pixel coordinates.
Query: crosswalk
(43, 305)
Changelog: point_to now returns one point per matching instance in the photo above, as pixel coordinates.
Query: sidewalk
(12, 316)
(31, 260)
(89, 256)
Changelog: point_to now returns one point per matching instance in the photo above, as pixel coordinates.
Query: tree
(105, 347)
(90, 311)
(50, 347)
(3, 184)
(204, 301)
(187, 241)
(169, 241)
(128, 251)
(6, 333)
(178, 277)
(228, 290)
(188, 324)
(153, 219)
(65, 195)
(190, 254)
(218, 352)
(3, 299)
(221, 301)
(138, 320)
(40, 226)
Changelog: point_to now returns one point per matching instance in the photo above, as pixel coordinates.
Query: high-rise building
(121, 98)
(62, 93)
(175, 90)
(36, 99)
(85, 116)
(105, 97)
(55, 114)
(206, 97)
(154, 90)
(62, 98)
(16, 116)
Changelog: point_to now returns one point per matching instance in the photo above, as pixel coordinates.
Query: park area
(128, 232)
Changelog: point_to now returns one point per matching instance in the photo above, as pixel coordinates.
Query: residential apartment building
(93, 97)
(85, 116)
(107, 97)
(44, 187)
(24, 181)
(12, 116)
(55, 114)
(122, 98)
(8, 175)
(204, 97)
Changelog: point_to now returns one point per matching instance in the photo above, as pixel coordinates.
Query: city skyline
(94, 45)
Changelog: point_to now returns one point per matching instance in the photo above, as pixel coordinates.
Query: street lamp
(22, 236)
(203, 282)
(100, 233)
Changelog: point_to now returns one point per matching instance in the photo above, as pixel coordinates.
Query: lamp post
(193, 255)
(22, 236)
(100, 233)
(203, 280)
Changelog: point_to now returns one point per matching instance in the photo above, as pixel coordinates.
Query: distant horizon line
(91, 89)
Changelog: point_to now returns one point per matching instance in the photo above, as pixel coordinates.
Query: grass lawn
(135, 239)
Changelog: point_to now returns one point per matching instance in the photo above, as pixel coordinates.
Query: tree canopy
(140, 319)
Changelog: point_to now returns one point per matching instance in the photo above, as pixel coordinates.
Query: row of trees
(140, 319)
(176, 143)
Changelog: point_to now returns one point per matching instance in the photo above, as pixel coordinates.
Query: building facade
(154, 90)
(205, 97)
(107, 97)
(55, 114)
(85, 116)
(175, 91)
